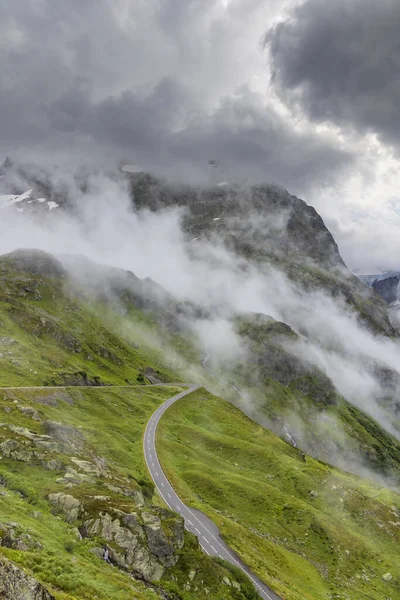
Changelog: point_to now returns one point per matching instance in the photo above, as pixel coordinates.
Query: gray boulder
(138, 545)
(67, 504)
(15, 584)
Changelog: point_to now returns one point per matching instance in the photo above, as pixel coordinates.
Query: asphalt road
(195, 521)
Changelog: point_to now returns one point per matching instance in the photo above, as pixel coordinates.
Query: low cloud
(105, 227)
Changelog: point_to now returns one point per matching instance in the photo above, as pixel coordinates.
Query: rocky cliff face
(260, 221)
(266, 225)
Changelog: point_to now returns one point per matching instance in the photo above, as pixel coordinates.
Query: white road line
(225, 551)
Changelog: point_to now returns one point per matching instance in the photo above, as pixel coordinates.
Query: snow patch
(10, 199)
(132, 169)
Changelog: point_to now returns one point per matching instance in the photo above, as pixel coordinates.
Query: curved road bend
(196, 523)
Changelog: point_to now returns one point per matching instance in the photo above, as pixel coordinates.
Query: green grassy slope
(104, 427)
(309, 530)
(51, 336)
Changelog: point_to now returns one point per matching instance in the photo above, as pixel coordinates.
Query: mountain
(294, 449)
(266, 225)
(73, 476)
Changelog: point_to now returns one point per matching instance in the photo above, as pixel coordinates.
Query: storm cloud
(170, 85)
(339, 62)
(167, 85)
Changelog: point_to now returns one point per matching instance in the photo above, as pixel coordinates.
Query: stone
(236, 585)
(86, 466)
(30, 412)
(53, 465)
(387, 577)
(314, 494)
(69, 438)
(144, 550)
(12, 537)
(67, 504)
(15, 584)
(15, 450)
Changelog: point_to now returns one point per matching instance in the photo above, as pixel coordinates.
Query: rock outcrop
(68, 505)
(143, 544)
(15, 584)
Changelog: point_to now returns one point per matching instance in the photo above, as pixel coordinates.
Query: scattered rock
(314, 494)
(387, 577)
(7, 341)
(12, 536)
(151, 375)
(136, 495)
(236, 585)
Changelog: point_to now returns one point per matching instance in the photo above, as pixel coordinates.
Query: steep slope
(300, 403)
(51, 335)
(118, 329)
(308, 530)
(76, 453)
(267, 226)
(73, 479)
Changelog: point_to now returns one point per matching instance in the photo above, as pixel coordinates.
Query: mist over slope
(219, 267)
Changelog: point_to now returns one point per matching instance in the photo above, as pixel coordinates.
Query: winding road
(195, 522)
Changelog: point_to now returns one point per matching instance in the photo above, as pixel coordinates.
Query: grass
(49, 336)
(308, 530)
(110, 423)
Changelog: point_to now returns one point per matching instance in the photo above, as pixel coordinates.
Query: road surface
(195, 521)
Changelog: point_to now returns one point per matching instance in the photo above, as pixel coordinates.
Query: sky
(300, 93)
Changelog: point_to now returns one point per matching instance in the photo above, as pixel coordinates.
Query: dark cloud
(154, 81)
(167, 130)
(339, 61)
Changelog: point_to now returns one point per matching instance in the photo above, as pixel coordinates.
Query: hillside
(72, 467)
(308, 530)
(55, 331)
(72, 479)
(53, 335)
